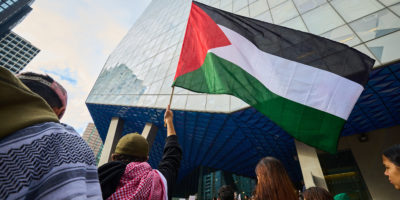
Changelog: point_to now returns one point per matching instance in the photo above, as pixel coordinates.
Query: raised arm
(172, 156)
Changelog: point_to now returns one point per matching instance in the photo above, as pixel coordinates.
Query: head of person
(317, 193)
(226, 193)
(391, 161)
(49, 89)
(273, 181)
(132, 147)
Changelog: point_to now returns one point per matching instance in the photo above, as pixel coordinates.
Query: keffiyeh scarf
(140, 181)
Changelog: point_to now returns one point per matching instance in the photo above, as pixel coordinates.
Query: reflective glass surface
(396, 8)
(284, 12)
(141, 69)
(389, 2)
(386, 48)
(239, 4)
(362, 48)
(225, 2)
(227, 7)
(244, 11)
(296, 23)
(138, 76)
(258, 7)
(274, 3)
(218, 102)
(306, 5)
(196, 102)
(354, 9)
(376, 25)
(265, 16)
(344, 35)
(327, 19)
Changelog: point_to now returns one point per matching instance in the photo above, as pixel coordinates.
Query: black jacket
(111, 173)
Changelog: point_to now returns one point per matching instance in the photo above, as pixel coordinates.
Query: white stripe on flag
(298, 82)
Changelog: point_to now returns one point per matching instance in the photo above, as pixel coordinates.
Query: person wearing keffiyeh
(129, 176)
(41, 158)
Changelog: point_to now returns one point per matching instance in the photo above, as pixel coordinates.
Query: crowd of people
(42, 158)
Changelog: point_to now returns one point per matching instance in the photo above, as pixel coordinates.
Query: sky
(75, 38)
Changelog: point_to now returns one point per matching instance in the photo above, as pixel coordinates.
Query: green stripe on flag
(309, 125)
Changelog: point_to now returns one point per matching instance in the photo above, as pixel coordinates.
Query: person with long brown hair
(317, 193)
(273, 181)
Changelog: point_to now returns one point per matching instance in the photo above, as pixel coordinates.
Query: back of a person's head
(132, 147)
(317, 193)
(393, 154)
(273, 181)
(226, 192)
(46, 87)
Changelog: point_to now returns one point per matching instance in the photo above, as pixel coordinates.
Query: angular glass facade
(135, 83)
(140, 71)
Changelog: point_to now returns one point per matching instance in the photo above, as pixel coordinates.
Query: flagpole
(170, 101)
(172, 94)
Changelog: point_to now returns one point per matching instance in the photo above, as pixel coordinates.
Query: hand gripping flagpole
(170, 101)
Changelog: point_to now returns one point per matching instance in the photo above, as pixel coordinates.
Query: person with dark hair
(272, 181)
(40, 157)
(226, 192)
(391, 161)
(45, 86)
(129, 176)
(316, 193)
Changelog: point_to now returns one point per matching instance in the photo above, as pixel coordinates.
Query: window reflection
(386, 48)
(376, 25)
(344, 35)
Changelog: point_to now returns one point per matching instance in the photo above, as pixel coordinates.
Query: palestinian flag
(306, 84)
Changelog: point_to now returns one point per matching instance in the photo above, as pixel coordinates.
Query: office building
(224, 133)
(12, 12)
(16, 52)
(92, 138)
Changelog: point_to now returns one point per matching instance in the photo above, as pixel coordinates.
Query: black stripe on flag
(297, 46)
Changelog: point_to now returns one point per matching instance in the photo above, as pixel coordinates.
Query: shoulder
(41, 131)
(51, 153)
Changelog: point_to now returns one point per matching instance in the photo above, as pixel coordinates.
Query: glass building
(221, 131)
(12, 12)
(370, 26)
(16, 52)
